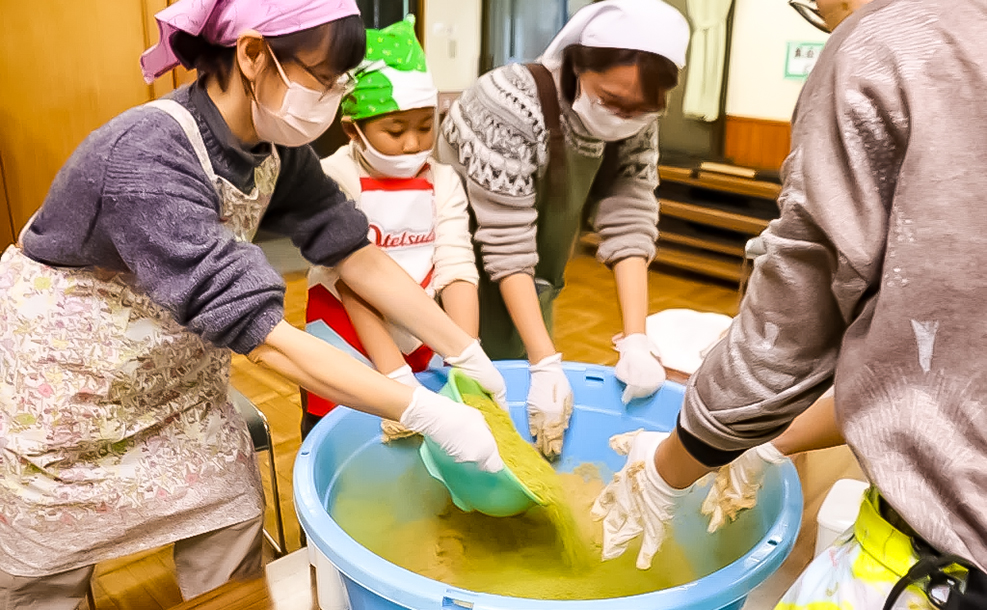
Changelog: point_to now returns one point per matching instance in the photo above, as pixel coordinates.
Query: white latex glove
(736, 485)
(638, 500)
(478, 367)
(459, 429)
(406, 376)
(638, 366)
(549, 405)
(393, 430)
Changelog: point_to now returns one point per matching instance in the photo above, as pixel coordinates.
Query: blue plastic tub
(373, 583)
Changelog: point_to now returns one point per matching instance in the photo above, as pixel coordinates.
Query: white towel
(684, 336)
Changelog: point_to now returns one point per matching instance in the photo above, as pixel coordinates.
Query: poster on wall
(801, 58)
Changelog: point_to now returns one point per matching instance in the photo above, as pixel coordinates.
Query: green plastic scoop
(498, 494)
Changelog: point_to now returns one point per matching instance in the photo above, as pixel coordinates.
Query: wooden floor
(587, 317)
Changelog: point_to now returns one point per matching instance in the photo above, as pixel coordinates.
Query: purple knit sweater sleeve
(133, 197)
(162, 220)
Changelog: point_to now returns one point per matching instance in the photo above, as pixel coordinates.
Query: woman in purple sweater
(136, 280)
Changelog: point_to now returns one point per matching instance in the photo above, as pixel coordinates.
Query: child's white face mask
(304, 115)
(391, 166)
(600, 122)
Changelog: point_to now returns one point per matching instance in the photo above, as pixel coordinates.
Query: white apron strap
(191, 129)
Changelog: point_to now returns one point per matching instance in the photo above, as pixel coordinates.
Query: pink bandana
(222, 21)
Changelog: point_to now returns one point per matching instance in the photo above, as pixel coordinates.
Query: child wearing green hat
(417, 210)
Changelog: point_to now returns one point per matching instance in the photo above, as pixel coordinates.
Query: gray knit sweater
(134, 198)
(495, 136)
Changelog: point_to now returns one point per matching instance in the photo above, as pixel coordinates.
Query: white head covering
(640, 25)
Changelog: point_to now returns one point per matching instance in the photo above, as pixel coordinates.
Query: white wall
(757, 87)
(452, 42)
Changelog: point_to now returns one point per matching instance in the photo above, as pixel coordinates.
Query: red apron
(401, 213)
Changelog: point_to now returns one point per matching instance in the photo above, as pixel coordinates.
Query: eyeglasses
(810, 12)
(343, 85)
(625, 113)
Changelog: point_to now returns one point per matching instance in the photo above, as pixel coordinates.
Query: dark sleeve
(823, 261)
(160, 213)
(311, 209)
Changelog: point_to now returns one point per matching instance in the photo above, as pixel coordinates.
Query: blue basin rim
(405, 588)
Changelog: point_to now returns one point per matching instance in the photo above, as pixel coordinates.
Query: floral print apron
(116, 434)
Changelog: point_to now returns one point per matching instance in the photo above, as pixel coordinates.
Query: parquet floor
(587, 317)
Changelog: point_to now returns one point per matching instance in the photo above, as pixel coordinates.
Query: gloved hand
(549, 405)
(478, 367)
(638, 500)
(392, 430)
(736, 485)
(638, 366)
(458, 429)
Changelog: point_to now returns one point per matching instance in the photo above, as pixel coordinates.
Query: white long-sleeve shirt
(454, 258)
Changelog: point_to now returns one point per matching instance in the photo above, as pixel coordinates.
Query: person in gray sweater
(136, 280)
(603, 81)
(873, 280)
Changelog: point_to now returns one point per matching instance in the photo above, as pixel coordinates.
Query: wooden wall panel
(65, 69)
(164, 84)
(6, 225)
(183, 76)
(757, 143)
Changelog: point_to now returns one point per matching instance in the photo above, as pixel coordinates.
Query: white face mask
(392, 166)
(304, 114)
(600, 122)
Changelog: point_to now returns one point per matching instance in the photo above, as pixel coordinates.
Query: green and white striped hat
(394, 75)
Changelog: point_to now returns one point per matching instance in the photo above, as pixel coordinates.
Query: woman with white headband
(126, 295)
(540, 147)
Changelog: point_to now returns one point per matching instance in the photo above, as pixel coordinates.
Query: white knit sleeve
(454, 258)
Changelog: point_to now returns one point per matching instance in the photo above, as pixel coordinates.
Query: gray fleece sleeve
(494, 137)
(823, 262)
(627, 216)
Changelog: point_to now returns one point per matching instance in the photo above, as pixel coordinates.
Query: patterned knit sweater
(495, 137)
